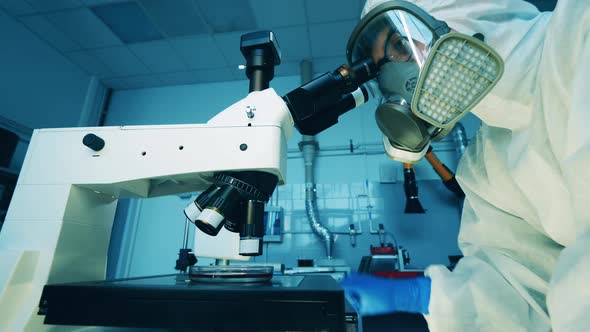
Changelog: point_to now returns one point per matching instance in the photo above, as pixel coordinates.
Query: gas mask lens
(398, 43)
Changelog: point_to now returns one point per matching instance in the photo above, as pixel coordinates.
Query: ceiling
(132, 44)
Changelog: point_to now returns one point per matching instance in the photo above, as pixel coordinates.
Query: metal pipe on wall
(444, 145)
(309, 147)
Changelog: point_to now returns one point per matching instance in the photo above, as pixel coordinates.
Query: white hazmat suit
(525, 229)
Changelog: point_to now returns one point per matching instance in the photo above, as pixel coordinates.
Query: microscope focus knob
(93, 142)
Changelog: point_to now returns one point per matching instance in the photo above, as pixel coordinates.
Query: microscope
(58, 225)
(235, 201)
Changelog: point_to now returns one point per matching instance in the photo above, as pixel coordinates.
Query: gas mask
(428, 77)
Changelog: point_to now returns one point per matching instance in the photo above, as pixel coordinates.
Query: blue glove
(371, 295)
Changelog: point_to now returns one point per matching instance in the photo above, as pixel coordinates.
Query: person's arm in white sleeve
(567, 92)
(516, 273)
(568, 299)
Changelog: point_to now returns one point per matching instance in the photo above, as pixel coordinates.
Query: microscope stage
(230, 274)
(283, 303)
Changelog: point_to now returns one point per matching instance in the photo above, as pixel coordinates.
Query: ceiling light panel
(128, 21)
(176, 18)
(228, 15)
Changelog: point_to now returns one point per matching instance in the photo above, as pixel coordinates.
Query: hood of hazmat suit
(525, 228)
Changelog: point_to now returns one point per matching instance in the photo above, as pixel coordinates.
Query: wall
(428, 237)
(39, 87)
(364, 188)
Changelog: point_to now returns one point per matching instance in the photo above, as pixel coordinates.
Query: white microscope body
(58, 225)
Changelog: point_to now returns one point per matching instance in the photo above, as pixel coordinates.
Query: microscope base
(283, 303)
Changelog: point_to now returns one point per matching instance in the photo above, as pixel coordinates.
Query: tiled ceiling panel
(265, 12)
(99, 2)
(229, 44)
(17, 7)
(128, 21)
(330, 39)
(83, 27)
(51, 5)
(199, 52)
(176, 18)
(184, 77)
(159, 56)
(214, 75)
(227, 15)
(120, 61)
(296, 45)
(89, 64)
(332, 10)
(167, 42)
(135, 82)
(46, 31)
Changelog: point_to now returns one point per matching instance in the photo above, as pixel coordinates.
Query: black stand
(186, 257)
(262, 54)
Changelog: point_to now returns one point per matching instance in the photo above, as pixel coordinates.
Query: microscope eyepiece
(316, 106)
